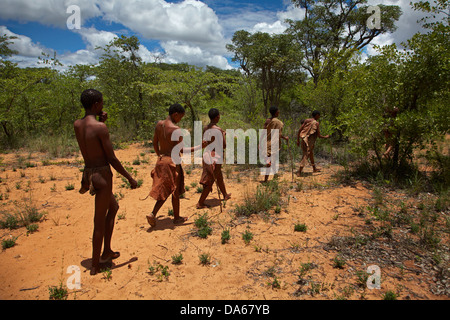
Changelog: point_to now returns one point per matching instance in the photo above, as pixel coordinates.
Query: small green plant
(300, 227)
(304, 269)
(193, 184)
(205, 259)
(30, 214)
(275, 284)
(136, 161)
(338, 263)
(390, 295)
(69, 186)
(158, 267)
(378, 197)
(107, 274)
(277, 209)
(263, 200)
(9, 221)
(225, 236)
(32, 228)
(9, 243)
(177, 259)
(170, 212)
(204, 232)
(247, 236)
(199, 189)
(203, 226)
(57, 293)
(362, 278)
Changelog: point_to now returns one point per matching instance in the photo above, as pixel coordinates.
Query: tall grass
(265, 198)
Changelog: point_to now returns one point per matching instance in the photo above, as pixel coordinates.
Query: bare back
(88, 132)
(162, 140)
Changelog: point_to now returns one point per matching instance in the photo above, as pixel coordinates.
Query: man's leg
(220, 183)
(176, 207)
(201, 202)
(304, 159)
(151, 218)
(102, 202)
(108, 253)
(311, 158)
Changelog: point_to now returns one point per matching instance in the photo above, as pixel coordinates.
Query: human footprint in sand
(168, 177)
(98, 154)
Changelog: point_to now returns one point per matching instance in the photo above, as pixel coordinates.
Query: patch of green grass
(247, 236)
(9, 221)
(300, 227)
(32, 228)
(203, 226)
(9, 243)
(390, 295)
(225, 236)
(338, 263)
(57, 293)
(107, 274)
(205, 258)
(265, 198)
(177, 259)
(69, 186)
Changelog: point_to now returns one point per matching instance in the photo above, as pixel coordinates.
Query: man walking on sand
(98, 154)
(273, 123)
(168, 177)
(212, 168)
(309, 132)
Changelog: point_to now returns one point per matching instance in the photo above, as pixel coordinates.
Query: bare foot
(151, 220)
(316, 170)
(298, 173)
(107, 256)
(179, 220)
(227, 197)
(95, 270)
(201, 206)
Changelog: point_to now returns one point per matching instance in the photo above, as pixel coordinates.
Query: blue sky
(189, 31)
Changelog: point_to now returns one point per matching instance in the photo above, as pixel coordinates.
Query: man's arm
(319, 135)
(283, 137)
(111, 157)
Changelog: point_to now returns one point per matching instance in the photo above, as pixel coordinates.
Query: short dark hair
(89, 97)
(315, 113)
(213, 113)
(273, 110)
(176, 108)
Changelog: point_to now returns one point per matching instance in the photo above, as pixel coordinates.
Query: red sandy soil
(237, 270)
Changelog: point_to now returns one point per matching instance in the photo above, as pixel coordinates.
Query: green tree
(416, 82)
(272, 59)
(333, 30)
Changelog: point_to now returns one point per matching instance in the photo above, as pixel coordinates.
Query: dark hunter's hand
(133, 183)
